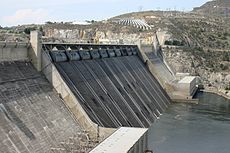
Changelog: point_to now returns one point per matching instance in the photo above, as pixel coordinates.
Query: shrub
(176, 43)
(168, 42)
(49, 22)
(223, 67)
(28, 30)
(226, 56)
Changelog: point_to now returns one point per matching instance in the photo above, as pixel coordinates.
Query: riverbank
(216, 91)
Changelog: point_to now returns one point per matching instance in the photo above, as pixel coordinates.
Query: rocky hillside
(211, 66)
(215, 7)
(106, 30)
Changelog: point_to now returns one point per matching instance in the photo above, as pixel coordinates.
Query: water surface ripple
(189, 128)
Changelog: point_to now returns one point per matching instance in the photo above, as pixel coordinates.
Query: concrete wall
(145, 48)
(124, 140)
(141, 145)
(174, 89)
(71, 101)
(13, 51)
(188, 88)
(180, 76)
(35, 50)
(162, 36)
(184, 88)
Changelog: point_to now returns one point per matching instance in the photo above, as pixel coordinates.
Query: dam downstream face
(114, 91)
(185, 128)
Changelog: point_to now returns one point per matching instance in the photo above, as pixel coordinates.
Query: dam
(60, 97)
(32, 116)
(112, 84)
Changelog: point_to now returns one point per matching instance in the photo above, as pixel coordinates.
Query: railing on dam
(111, 83)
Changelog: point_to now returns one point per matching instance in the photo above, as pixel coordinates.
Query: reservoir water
(191, 128)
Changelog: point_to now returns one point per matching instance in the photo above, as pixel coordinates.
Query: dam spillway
(112, 84)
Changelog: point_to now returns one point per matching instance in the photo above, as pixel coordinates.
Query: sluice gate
(111, 83)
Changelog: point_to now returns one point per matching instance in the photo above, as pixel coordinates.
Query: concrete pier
(35, 52)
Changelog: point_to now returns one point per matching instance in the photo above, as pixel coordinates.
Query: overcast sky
(17, 12)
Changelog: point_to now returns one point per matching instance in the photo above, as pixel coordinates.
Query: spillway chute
(113, 85)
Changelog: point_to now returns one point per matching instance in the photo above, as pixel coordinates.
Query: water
(190, 128)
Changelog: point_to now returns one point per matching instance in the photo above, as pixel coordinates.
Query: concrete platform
(124, 140)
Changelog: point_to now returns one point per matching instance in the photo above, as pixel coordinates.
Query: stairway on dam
(33, 119)
(113, 85)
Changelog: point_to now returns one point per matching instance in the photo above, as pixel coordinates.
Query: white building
(187, 86)
(124, 140)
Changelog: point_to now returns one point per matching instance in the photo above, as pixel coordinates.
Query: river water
(191, 128)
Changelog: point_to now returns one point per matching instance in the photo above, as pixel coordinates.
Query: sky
(18, 12)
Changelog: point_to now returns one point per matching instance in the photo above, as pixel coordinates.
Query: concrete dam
(60, 97)
(111, 83)
(32, 116)
(57, 97)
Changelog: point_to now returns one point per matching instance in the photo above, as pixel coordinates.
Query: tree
(183, 43)
(49, 22)
(228, 86)
(42, 31)
(176, 43)
(226, 56)
(223, 67)
(29, 29)
(168, 42)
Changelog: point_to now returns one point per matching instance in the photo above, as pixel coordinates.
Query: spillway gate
(111, 82)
